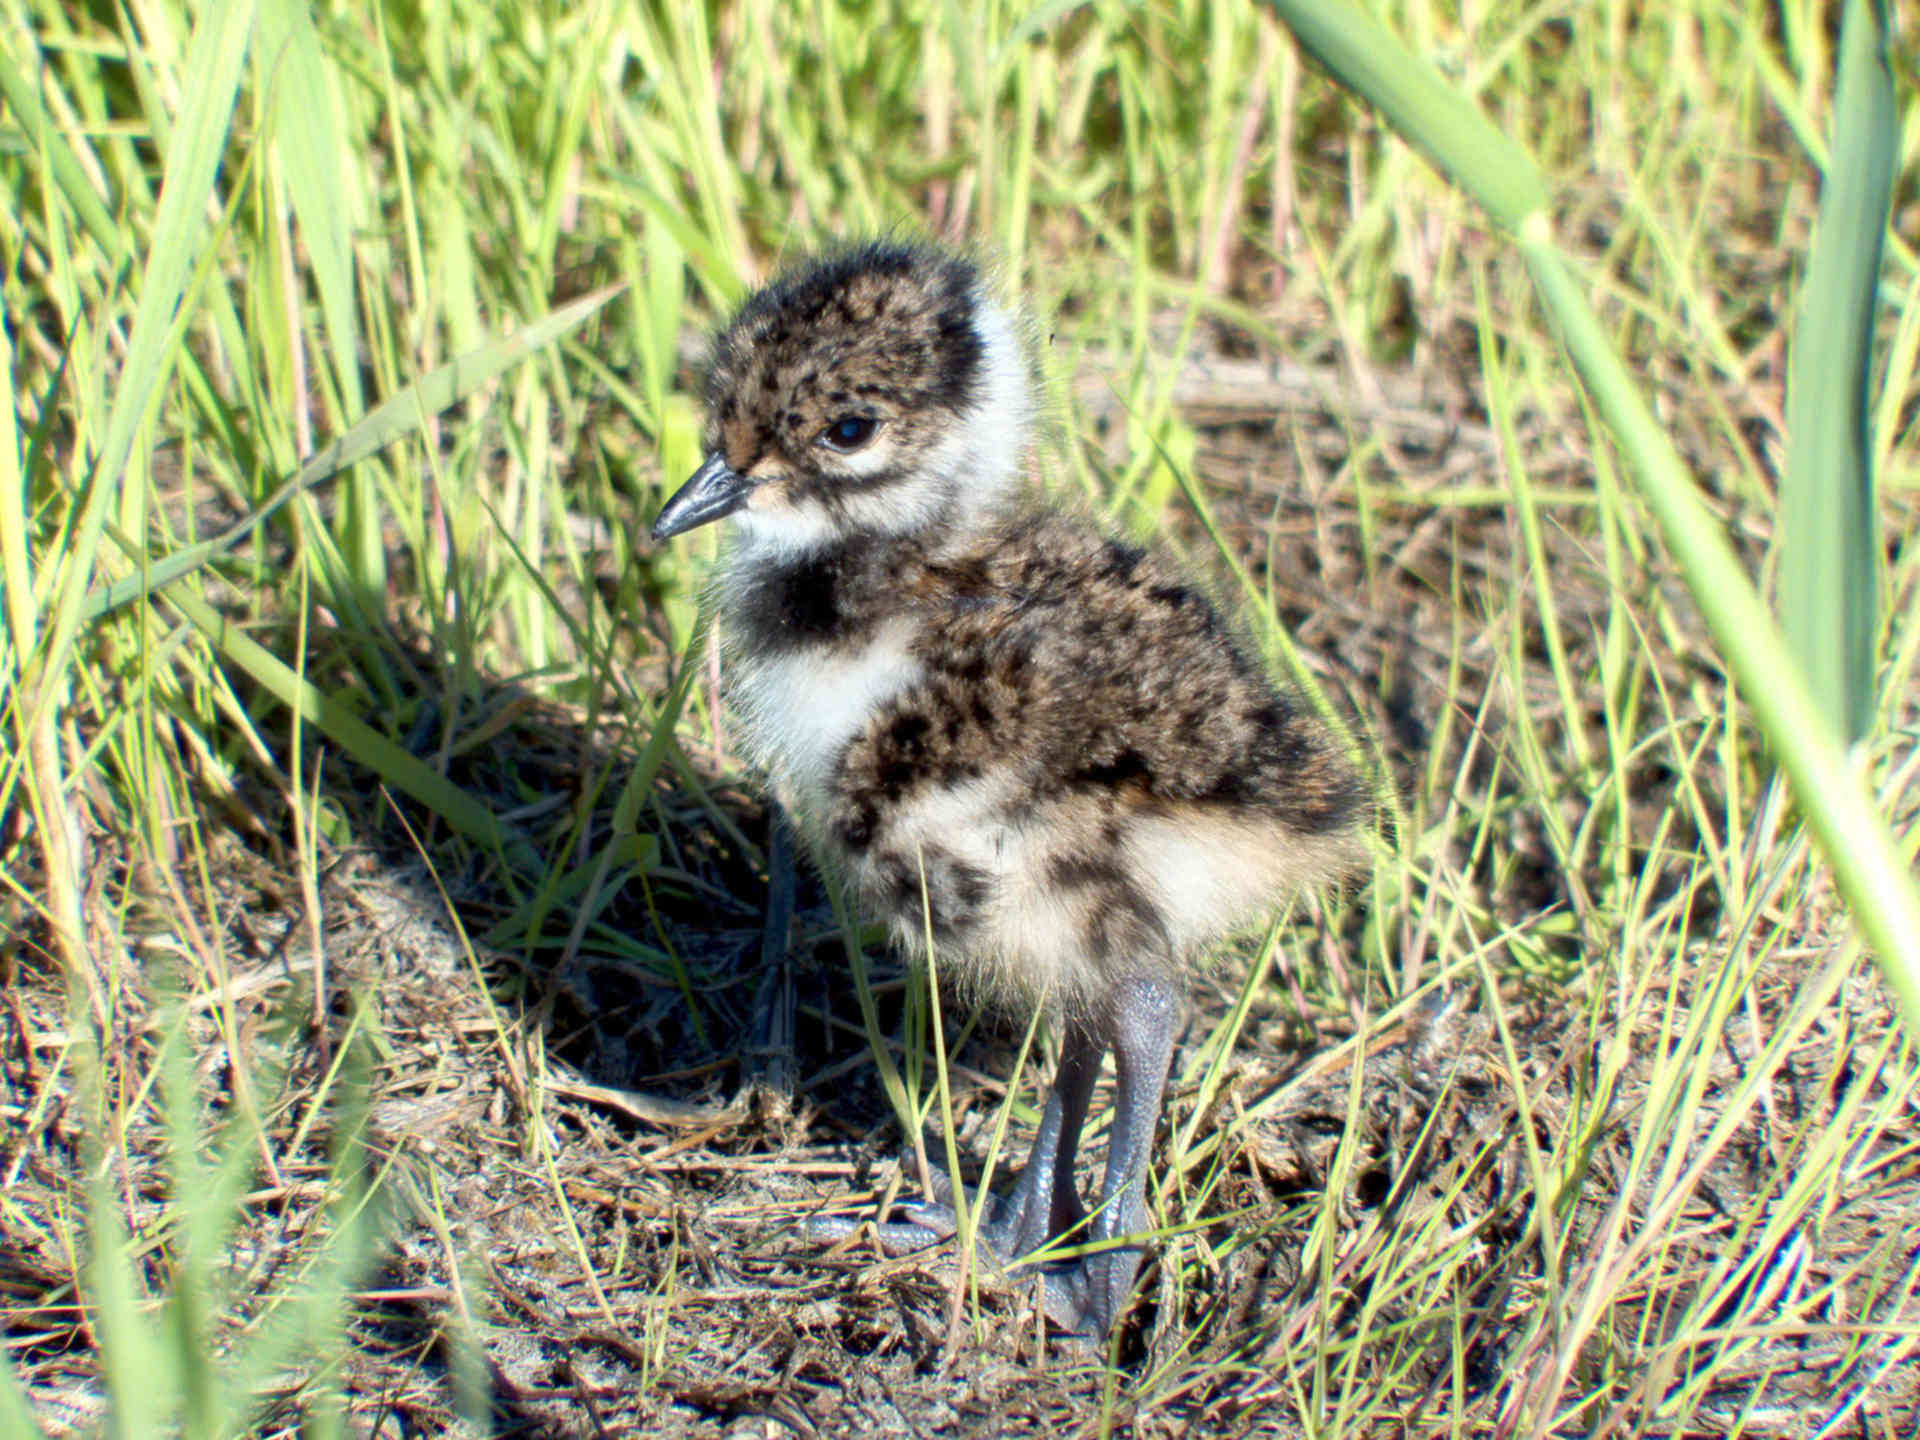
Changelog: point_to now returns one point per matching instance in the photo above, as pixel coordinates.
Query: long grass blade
(360, 740)
(193, 159)
(394, 419)
(1829, 552)
(1868, 864)
(290, 67)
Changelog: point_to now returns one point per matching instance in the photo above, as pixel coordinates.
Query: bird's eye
(849, 433)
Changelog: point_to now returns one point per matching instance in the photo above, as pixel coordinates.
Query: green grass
(321, 487)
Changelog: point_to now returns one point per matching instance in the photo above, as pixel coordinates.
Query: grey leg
(1141, 1024)
(1086, 1295)
(1042, 1204)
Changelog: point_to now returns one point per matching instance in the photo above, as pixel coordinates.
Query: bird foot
(1082, 1296)
(926, 1225)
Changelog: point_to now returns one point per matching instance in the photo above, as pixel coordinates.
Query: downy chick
(998, 724)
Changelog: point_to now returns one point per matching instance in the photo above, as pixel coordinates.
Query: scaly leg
(1083, 1296)
(1041, 1205)
(1044, 1203)
(1142, 1017)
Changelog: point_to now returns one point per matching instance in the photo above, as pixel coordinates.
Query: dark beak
(716, 489)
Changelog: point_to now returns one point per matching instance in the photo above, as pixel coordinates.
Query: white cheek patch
(777, 526)
(979, 460)
(911, 503)
(871, 459)
(772, 525)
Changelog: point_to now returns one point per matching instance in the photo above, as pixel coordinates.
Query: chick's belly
(1020, 899)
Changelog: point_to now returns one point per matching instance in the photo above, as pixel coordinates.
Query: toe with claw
(1083, 1296)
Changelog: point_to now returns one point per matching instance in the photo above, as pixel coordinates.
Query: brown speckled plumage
(1041, 744)
(1101, 686)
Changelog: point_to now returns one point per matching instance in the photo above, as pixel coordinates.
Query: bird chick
(1041, 745)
